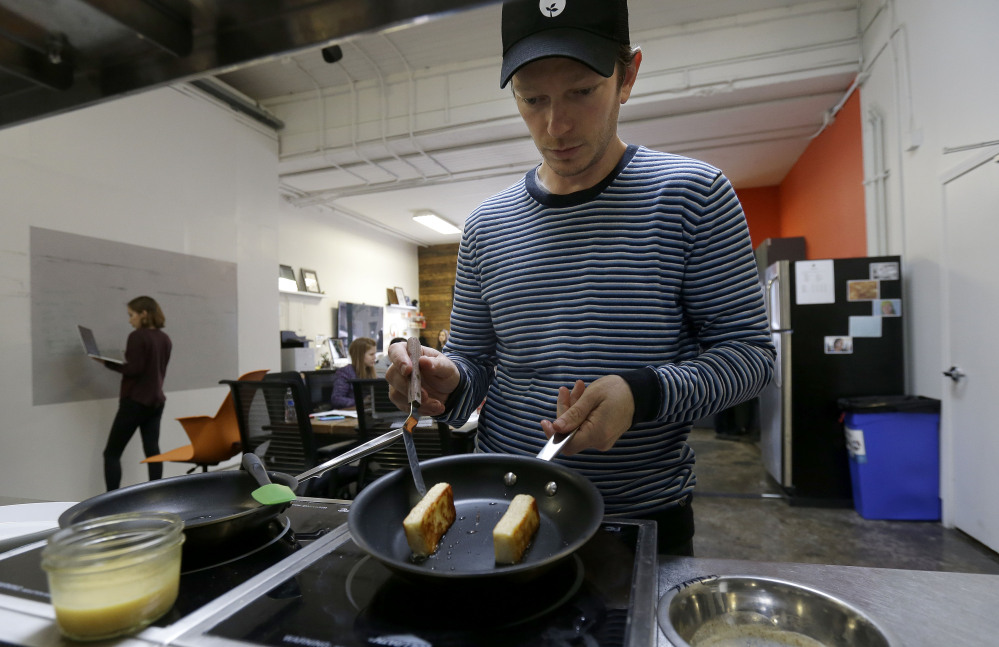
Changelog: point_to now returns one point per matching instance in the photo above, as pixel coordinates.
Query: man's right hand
(438, 374)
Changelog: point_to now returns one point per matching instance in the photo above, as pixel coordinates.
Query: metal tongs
(415, 391)
(389, 437)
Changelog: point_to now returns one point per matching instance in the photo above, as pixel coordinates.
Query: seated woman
(362, 365)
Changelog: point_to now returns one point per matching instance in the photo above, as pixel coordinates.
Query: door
(970, 447)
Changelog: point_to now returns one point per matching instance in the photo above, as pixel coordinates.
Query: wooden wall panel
(436, 265)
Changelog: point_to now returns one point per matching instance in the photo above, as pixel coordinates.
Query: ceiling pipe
(411, 106)
(353, 128)
(321, 100)
(237, 101)
(327, 197)
(496, 121)
(383, 110)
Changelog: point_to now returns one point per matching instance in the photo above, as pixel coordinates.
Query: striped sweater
(649, 275)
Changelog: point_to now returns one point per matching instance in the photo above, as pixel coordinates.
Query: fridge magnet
(838, 345)
(865, 326)
(862, 290)
(887, 308)
(311, 281)
(884, 271)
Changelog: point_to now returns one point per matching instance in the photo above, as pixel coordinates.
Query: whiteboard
(89, 281)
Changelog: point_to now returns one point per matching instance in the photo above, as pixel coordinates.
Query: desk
(333, 431)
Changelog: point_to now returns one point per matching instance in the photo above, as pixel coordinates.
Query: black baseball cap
(589, 31)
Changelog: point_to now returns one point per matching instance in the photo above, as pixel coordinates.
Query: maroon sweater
(147, 354)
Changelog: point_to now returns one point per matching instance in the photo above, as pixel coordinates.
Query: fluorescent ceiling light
(435, 222)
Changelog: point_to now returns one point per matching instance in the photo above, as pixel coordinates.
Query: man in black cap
(612, 290)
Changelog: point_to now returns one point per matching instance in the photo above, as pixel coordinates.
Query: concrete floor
(740, 513)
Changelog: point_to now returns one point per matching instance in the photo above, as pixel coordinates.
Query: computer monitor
(355, 320)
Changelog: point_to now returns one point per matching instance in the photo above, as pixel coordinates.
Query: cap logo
(551, 8)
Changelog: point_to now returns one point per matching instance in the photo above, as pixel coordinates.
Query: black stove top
(327, 592)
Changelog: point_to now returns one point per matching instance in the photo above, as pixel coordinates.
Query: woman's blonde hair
(358, 349)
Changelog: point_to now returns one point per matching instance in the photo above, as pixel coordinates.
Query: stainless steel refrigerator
(837, 327)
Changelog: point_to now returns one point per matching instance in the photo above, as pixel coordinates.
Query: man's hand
(438, 374)
(601, 412)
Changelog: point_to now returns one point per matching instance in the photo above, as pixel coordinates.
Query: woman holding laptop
(147, 353)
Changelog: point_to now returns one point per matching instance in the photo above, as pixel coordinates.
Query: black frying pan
(569, 518)
(215, 506)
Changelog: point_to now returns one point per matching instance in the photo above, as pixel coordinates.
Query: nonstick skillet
(215, 506)
(570, 506)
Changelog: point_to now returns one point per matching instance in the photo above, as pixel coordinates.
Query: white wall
(166, 170)
(354, 262)
(169, 170)
(930, 77)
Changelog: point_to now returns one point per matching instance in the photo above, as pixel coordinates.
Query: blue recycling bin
(894, 447)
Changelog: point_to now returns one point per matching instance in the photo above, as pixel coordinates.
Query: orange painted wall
(762, 209)
(822, 198)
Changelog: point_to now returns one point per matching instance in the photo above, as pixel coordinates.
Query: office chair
(304, 393)
(320, 385)
(213, 438)
(374, 408)
(274, 424)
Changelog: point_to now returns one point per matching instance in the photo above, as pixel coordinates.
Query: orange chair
(213, 439)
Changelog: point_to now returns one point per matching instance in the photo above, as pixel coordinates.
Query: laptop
(90, 345)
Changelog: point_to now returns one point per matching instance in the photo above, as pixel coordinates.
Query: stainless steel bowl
(750, 611)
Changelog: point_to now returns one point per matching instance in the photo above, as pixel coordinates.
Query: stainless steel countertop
(917, 607)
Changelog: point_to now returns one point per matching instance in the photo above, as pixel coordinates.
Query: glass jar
(113, 575)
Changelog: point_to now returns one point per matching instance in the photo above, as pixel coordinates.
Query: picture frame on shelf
(286, 278)
(310, 281)
(400, 296)
(390, 297)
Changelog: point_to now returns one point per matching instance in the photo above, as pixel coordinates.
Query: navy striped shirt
(650, 275)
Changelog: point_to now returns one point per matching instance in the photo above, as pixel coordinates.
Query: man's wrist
(645, 391)
(455, 396)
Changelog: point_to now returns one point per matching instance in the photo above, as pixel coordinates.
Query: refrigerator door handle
(774, 319)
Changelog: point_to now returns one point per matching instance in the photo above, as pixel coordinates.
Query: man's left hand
(601, 412)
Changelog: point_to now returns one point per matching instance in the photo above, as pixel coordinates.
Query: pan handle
(554, 446)
(360, 451)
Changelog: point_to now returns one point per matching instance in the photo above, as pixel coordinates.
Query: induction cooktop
(302, 582)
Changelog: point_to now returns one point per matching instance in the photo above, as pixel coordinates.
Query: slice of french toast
(427, 522)
(516, 529)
